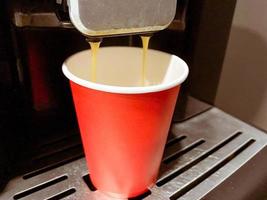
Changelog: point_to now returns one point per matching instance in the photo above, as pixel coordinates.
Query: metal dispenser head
(103, 18)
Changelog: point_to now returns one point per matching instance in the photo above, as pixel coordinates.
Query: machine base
(202, 154)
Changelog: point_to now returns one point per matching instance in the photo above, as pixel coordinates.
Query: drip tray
(201, 153)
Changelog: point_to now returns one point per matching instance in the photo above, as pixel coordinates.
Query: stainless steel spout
(103, 18)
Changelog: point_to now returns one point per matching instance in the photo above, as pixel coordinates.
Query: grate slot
(175, 140)
(201, 157)
(53, 166)
(40, 187)
(212, 170)
(142, 196)
(89, 182)
(186, 149)
(63, 194)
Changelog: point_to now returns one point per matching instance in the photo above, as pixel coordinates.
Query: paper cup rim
(126, 89)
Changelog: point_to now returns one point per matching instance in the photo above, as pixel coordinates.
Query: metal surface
(45, 19)
(255, 186)
(104, 18)
(179, 22)
(201, 153)
(59, 16)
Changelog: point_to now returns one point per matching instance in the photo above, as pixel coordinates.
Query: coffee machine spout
(105, 18)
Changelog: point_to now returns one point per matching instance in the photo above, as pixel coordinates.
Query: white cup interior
(119, 70)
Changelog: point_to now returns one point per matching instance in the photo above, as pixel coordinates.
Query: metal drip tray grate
(201, 153)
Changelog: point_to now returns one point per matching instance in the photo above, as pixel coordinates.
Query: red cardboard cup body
(123, 125)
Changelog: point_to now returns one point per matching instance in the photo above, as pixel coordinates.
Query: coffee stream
(145, 42)
(95, 47)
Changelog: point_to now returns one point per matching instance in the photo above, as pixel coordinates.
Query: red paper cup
(123, 125)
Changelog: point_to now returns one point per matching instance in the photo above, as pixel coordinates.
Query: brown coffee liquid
(94, 49)
(145, 42)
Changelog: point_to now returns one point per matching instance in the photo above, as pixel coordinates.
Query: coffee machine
(208, 152)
